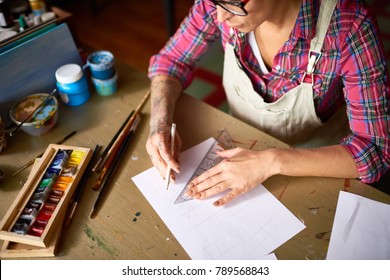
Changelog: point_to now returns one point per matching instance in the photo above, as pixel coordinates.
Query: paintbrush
(80, 187)
(97, 167)
(32, 114)
(123, 133)
(99, 181)
(114, 164)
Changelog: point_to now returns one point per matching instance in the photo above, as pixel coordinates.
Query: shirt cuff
(368, 160)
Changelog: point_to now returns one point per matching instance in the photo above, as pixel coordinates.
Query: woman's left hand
(240, 171)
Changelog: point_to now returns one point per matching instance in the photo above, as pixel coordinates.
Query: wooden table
(115, 233)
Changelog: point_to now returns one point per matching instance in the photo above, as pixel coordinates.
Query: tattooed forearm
(165, 92)
(166, 86)
(159, 125)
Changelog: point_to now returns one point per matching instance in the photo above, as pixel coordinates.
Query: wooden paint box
(35, 218)
(11, 250)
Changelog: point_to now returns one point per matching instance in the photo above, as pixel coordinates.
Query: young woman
(291, 68)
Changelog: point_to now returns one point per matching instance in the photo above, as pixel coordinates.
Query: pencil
(124, 131)
(80, 187)
(113, 166)
(168, 174)
(98, 164)
(20, 169)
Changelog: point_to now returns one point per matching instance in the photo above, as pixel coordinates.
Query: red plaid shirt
(351, 70)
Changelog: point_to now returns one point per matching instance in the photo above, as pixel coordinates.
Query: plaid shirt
(352, 70)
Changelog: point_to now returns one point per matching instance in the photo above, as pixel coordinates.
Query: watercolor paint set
(35, 218)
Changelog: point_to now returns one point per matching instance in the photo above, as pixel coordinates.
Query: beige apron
(292, 118)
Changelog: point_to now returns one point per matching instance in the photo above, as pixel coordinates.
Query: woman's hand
(240, 171)
(165, 92)
(158, 148)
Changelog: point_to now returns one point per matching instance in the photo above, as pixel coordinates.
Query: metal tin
(43, 121)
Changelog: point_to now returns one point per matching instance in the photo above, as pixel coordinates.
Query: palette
(35, 217)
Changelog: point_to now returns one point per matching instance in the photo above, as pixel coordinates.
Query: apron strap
(324, 17)
(326, 11)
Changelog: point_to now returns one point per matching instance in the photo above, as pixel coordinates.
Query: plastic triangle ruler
(223, 142)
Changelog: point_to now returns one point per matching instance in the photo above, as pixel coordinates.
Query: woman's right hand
(165, 92)
(158, 148)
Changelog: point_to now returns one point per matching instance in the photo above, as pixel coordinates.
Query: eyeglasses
(234, 7)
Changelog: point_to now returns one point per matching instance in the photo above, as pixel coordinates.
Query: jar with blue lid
(72, 85)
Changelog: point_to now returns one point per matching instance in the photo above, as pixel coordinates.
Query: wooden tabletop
(126, 226)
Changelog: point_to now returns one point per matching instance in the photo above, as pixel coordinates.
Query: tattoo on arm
(160, 126)
(165, 91)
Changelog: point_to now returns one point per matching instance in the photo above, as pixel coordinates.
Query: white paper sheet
(250, 227)
(361, 229)
(270, 257)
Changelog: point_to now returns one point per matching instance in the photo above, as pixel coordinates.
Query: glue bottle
(72, 85)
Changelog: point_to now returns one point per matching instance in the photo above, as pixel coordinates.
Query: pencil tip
(167, 185)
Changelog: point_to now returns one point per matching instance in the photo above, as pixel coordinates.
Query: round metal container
(44, 119)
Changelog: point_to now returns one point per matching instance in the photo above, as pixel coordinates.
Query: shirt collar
(305, 26)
